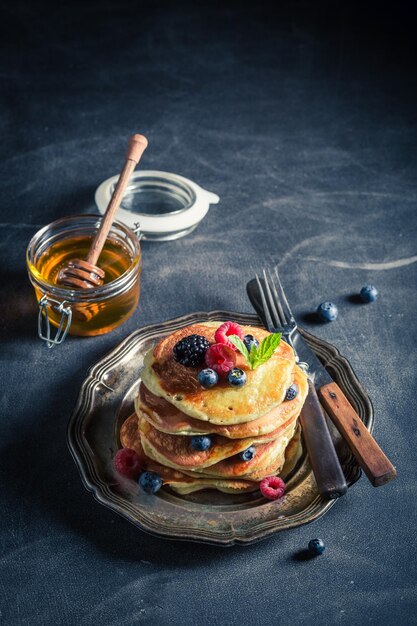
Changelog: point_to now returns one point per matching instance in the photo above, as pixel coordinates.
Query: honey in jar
(86, 312)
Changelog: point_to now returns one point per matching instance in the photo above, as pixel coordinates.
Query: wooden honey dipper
(85, 274)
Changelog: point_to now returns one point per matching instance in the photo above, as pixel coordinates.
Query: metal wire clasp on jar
(83, 312)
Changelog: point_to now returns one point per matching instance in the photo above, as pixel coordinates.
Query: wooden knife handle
(327, 470)
(369, 455)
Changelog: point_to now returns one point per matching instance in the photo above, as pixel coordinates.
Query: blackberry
(191, 350)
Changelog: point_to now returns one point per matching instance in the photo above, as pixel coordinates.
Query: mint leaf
(266, 349)
(252, 356)
(238, 343)
(257, 356)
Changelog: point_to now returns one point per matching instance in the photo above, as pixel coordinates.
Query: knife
(377, 467)
(330, 479)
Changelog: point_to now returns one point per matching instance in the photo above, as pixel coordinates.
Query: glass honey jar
(83, 312)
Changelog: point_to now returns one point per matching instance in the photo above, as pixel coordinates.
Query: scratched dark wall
(302, 118)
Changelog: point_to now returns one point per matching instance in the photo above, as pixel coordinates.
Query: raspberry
(190, 351)
(220, 358)
(226, 329)
(272, 487)
(127, 462)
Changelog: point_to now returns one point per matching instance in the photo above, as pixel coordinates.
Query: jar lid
(165, 205)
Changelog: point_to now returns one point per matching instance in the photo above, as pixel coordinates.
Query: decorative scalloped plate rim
(170, 517)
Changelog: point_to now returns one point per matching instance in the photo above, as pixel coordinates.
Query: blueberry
(369, 293)
(236, 377)
(250, 341)
(208, 378)
(200, 443)
(248, 454)
(150, 482)
(327, 311)
(316, 547)
(292, 392)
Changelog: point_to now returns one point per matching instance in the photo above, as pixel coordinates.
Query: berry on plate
(225, 330)
(369, 293)
(248, 454)
(327, 311)
(250, 342)
(292, 392)
(316, 547)
(236, 377)
(208, 378)
(200, 443)
(272, 487)
(191, 350)
(127, 462)
(150, 482)
(220, 358)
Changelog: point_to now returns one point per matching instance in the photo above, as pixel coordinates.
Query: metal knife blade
(317, 372)
(367, 452)
(331, 482)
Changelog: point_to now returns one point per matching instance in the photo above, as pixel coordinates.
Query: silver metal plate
(106, 399)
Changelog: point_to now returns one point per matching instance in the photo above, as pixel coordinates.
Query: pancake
(172, 406)
(176, 451)
(265, 387)
(169, 419)
(286, 464)
(219, 463)
(178, 481)
(183, 483)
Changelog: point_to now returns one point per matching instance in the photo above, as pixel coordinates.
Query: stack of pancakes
(171, 407)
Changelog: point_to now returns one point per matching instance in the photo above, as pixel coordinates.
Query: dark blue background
(303, 120)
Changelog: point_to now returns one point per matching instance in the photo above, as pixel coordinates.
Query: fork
(324, 461)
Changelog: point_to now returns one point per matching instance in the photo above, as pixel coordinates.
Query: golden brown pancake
(218, 460)
(176, 450)
(172, 406)
(265, 387)
(184, 483)
(169, 419)
(178, 481)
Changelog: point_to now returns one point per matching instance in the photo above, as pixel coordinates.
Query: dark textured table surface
(303, 122)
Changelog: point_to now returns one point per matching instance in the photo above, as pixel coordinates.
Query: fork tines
(277, 310)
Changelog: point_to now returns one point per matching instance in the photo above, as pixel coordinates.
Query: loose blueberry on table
(327, 311)
(316, 547)
(369, 293)
(201, 443)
